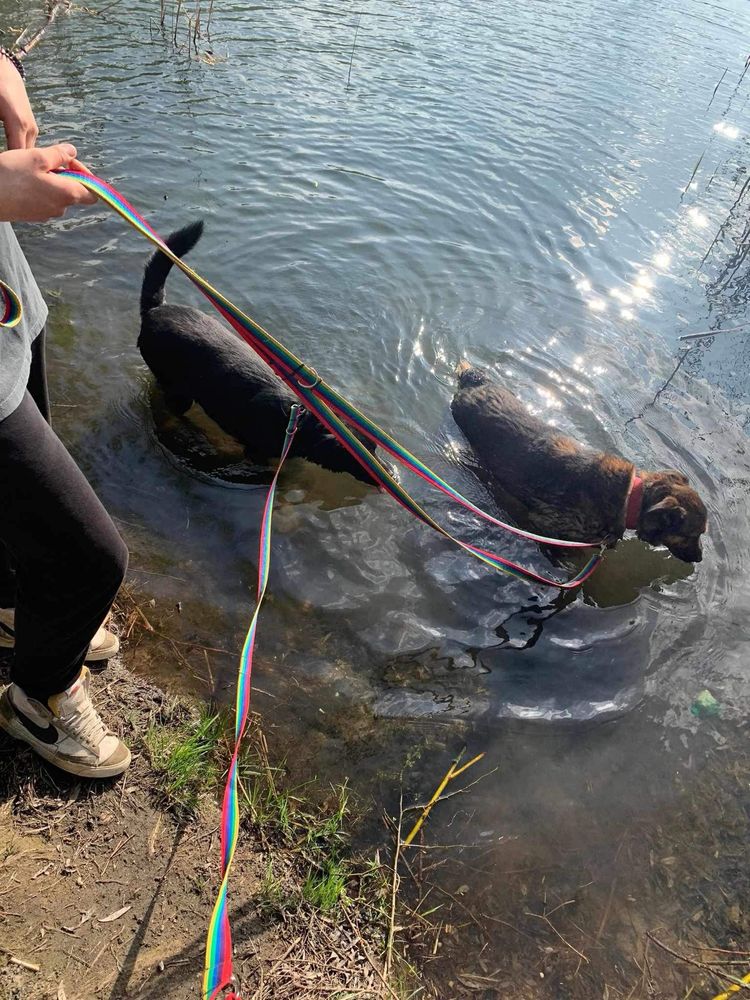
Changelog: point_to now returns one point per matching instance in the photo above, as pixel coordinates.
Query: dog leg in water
(177, 403)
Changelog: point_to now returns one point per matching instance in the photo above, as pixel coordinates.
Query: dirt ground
(104, 893)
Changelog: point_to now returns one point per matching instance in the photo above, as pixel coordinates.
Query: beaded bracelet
(15, 60)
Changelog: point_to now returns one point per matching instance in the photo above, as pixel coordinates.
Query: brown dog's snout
(692, 553)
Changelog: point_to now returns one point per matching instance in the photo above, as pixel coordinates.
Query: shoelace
(84, 723)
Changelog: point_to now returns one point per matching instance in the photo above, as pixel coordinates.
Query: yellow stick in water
(453, 772)
(733, 989)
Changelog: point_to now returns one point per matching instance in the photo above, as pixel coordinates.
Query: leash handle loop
(11, 309)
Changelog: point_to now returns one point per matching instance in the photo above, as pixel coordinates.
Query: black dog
(196, 358)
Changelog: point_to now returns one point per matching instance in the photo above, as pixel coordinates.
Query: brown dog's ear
(669, 510)
(678, 477)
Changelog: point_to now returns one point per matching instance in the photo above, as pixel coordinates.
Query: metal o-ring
(304, 385)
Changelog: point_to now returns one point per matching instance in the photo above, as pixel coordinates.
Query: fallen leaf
(115, 916)
(61, 994)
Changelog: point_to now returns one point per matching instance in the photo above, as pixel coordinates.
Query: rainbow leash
(218, 972)
(341, 417)
(10, 307)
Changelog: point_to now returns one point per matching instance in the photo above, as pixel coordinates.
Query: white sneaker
(67, 731)
(103, 646)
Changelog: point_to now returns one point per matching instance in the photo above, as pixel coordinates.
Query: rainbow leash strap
(218, 972)
(10, 307)
(342, 418)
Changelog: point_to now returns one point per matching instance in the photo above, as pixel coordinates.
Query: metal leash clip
(302, 367)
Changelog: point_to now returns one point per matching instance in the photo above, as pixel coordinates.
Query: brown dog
(566, 491)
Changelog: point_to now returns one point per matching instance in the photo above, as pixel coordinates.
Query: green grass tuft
(328, 830)
(325, 886)
(185, 760)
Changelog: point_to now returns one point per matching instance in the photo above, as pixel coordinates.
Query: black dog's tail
(159, 266)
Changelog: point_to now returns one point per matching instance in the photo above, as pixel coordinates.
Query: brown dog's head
(672, 514)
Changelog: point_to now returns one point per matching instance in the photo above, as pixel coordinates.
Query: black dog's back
(196, 358)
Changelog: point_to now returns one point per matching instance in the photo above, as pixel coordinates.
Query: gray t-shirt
(15, 343)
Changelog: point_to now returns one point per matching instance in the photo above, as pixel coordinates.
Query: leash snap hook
(234, 989)
(295, 415)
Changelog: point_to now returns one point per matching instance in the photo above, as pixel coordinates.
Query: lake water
(508, 183)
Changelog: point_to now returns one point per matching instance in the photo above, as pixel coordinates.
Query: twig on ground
(31, 966)
(370, 959)
(542, 916)
(118, 848)
(276, 964)
(453, 772)
(394, 888)
(127, 593)
(699, 965)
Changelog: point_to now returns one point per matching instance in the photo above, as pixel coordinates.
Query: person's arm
(29, 192)
(15, 111)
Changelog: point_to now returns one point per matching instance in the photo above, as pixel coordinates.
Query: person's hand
(30, 192)
(15, 111)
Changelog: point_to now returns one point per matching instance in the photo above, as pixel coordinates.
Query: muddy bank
(106, 889)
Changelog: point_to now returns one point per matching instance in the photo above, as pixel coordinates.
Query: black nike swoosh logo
(49, 735)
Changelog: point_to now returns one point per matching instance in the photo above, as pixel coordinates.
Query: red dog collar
(633, 503)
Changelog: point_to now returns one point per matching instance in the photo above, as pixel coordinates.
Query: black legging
(61, 558)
